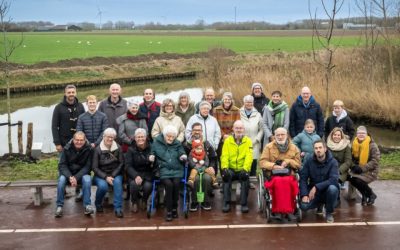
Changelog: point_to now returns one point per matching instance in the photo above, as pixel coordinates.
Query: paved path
(23, 226)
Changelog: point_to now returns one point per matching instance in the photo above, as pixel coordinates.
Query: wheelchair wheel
(267, 212)
(260, 193)
(299, 215)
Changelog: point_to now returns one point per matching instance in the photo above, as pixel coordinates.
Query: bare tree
(324, 37)
(8, 48)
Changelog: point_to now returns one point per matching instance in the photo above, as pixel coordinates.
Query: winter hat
(205, 103)
(197, 143)
(257, 84)
(195, 155)
(362, 129)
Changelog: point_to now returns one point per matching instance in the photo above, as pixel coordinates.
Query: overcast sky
(164, 11)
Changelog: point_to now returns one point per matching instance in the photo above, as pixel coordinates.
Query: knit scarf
(283, 147)
(278, 114)
(337, 146)
(360, 151)
(131, 116)
(197, 156)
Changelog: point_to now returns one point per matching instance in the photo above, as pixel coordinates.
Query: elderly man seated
(236, 160)
(279, 158)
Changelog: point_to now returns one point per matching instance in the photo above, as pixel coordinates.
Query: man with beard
(319, 181)
(65, 117)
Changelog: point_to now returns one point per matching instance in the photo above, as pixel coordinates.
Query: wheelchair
(264, 199)
(158, 194)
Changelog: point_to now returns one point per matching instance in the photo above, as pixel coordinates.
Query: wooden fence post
(29, 140)
(20, 144)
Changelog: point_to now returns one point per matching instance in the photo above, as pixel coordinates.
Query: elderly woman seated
(170, 156)
(107, 166)
(281, 154)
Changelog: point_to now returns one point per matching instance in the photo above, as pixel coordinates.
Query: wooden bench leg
(235, 191)
(37, 195)
(110, 196)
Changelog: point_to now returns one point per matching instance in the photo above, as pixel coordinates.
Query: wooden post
(20, 144)
(29, 139)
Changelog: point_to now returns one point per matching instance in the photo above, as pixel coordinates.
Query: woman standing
(128, 123)
(253, 128)
(170, 156)
(168, 117)
(184, 108)
(365, 168)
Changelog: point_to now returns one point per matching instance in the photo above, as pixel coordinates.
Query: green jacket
(167, 157)
(237, 157)
(345, 161)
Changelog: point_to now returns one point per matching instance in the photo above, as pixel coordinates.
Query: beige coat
(271, 154)
(253, 128)
(168, 119)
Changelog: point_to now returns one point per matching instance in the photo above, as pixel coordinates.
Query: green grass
(18, 170)
(390, 166)
(57, 46)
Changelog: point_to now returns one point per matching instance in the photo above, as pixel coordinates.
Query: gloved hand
(243, 175)
(152, 158)
(226, 175)
(356, 169)
(201, 162)
(194, 160)
(183, 157)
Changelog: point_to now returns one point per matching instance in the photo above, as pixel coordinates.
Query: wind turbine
(99, 14)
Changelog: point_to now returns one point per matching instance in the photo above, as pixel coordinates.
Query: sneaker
(226, 208)
(59, 212)
(252, 186)
(134, 207)
(320, 209)
(193, 207)
(119, 214)
(89, 210)
(244, 209)
(329, 218)
(168, 217)
(206, 206)
(371, 199)
(78, 197)
(99, 209)
(174, 213)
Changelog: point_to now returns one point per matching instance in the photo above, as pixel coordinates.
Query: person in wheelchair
(280, 159)
(139, 165)
(236, 160)
(170, 157)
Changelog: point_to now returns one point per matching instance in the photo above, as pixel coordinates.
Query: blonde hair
(309, 121)
(91, 98)
(338, 103)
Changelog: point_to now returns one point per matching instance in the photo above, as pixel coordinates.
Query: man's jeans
(329, 197)
(102, 188)
(86, 182)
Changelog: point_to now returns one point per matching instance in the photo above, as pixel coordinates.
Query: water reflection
(39, 109)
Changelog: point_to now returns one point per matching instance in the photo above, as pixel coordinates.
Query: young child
(305, 140)
(199, 162)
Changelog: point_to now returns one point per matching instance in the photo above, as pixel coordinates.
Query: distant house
(59, 28)
(74, 28)
(352, 26)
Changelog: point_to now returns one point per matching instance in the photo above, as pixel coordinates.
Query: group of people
(126, 141)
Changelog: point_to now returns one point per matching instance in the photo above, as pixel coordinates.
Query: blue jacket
(305, 142)
(320, 175)
(299, 113)
(93, 126)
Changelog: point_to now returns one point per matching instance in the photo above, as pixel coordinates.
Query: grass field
(57, 46)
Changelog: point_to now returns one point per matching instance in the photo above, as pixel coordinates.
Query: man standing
(92, 122)
(319, 181)
(65, 117)
(74, 168)
(113, 106)
(197, 134)
(305, 107)
(209, 96)
(236, 159)
(149, 108)
(260, 100)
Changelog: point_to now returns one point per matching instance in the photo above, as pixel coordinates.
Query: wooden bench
(236, 187)
(4, 184)
(36, 188)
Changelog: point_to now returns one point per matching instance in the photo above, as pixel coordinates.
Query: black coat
(65, 118)
(299, 114)
(260, 102)
(320, 175)
(346, 124)
(107, 163)
(75, 162)
(137, 163)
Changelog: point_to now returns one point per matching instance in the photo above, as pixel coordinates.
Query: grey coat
(268, 122)
(127, 128)
(113, 110)
(371, 169)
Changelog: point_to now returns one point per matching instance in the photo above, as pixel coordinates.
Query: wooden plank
(4, 183)
(33, 183)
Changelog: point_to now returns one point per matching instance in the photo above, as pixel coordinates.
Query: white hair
(140, 131)
(109, 132)
(169, 129)
(248, 98)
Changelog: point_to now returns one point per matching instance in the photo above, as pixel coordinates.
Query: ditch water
(38, 109)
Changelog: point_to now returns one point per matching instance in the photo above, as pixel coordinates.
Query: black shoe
(226, 208)
(371, 199)
(364, 200)
(174, 213)
(206, 206)
(244, 209)
(193, 207)
(320, 209)
(99, 209)
(168, 217)
(119, 214)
